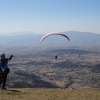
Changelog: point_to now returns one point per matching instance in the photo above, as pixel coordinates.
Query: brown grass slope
(49, 94)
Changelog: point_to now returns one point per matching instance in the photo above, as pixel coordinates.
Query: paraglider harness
(6, 70)
(2, 73)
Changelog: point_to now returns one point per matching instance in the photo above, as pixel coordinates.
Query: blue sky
(44, 16)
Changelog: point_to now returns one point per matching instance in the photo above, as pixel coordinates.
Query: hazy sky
(43, 16)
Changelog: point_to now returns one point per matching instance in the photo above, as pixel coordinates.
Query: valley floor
(49, 94)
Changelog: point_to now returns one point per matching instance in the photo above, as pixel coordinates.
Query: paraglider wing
(49, 34)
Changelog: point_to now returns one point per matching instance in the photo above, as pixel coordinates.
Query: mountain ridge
(76, 38)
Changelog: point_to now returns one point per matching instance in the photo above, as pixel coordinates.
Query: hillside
(49, 94)
(36, 69)
(27, 38)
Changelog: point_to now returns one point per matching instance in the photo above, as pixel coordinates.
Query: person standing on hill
(4, 69)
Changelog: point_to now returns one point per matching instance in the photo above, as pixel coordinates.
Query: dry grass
(49, 94)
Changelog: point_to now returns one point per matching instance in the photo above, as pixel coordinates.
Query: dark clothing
(4, 63)
(3, 77)
(4, 70)
(56, 57)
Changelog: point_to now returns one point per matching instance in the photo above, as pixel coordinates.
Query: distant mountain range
(29, 38)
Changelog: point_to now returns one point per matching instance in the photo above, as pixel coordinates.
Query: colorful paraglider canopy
(54, 33)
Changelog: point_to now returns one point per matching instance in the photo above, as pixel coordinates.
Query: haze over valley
(34, 65)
